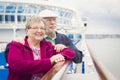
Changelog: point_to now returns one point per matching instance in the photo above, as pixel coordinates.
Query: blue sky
(103, 15)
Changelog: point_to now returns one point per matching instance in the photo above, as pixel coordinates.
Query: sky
(103, 16)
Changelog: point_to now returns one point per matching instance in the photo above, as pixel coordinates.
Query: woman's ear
(26, 31)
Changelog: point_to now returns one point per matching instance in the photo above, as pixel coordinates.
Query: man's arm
(63, 39)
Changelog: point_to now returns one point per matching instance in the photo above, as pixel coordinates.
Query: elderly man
(57, 38)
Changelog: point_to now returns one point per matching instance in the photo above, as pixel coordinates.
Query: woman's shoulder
(15, 43)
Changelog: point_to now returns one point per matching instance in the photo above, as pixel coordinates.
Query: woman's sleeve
(68, 53)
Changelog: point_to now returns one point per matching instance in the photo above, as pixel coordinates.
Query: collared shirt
(52, 40)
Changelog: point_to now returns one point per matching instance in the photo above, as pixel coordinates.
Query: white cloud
(103, 15)
(111, 7)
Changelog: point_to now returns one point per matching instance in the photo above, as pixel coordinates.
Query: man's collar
(47, 37)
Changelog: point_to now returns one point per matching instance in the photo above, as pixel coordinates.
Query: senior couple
(42, 48)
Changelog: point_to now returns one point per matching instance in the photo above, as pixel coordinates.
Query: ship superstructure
(14, 13)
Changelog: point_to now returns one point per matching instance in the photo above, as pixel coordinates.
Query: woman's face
(36, 31)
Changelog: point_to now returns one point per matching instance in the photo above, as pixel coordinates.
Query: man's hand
(59, 47)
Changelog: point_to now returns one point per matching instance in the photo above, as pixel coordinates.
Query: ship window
(79, 36)
(1, 8)
(9, 18)
(21, 18)
(67, 15)
(12, 18)
(18, 19)
(10, 9)
(28, 9)
(1, 18)
(32, 9)
(61, 13)
(20, 9)
(70, 36)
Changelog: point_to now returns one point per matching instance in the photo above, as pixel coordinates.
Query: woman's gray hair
(32, 20)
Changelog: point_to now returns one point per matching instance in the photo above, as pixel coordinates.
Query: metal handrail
(55, 73)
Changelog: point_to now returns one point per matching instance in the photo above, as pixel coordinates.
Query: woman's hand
(59, 47)
(58, 65)
(57, 58)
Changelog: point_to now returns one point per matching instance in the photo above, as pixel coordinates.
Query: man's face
(51, 24)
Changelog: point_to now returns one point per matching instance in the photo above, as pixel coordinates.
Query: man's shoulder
(60, 34)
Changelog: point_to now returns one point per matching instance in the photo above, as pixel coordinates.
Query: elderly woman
(31, 60)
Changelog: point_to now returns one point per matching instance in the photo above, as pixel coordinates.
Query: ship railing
(3, 46)
(56, 72)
